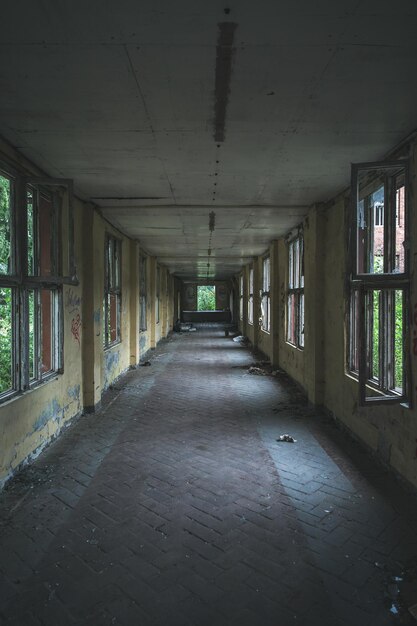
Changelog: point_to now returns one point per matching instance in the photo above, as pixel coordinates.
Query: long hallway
(175, 505)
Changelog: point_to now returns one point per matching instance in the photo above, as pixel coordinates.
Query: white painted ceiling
(120, 96)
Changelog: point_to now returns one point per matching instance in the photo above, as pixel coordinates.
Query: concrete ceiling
(164, 111)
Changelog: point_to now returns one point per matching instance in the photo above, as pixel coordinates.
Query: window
(206, 298)
(379, 287)
(250, 297)
(241, 297)
(265, 295)
(112, 291)
(158, 294)
(32, 264)
(142, 294)
(295, 292)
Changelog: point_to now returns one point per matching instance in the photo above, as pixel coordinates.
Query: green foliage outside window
(5, 292)
(206, 298)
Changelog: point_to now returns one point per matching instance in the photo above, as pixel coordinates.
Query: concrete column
(152, 296)
(314, 319)
(92, 309)
(134, 302)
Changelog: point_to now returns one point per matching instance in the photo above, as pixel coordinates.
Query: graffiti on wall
(76, 327)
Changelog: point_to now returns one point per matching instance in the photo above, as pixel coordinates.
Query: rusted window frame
(112, 287)
(364, 283)
(21, 282)
(297, 292)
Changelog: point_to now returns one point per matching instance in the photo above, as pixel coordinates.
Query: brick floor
(175, 505)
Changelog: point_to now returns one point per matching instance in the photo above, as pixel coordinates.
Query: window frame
(143, 293)
(363, 286)
(112, 288)
(250, 295)
(158, 294)
(266, 295)
(295, 290)
(241, 283)
(22, 281)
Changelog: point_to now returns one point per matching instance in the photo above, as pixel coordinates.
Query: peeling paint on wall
(97, 316)
(74, 392)
(53, 412)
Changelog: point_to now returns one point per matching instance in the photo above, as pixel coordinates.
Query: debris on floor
(145, 364)
(264, 368)
(257, 371)
(241, 339)
(287, 438)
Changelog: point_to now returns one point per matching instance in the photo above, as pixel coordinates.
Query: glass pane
(47, 319)
(32, 333)
(374, 313)
(301, 263)
(250, 310)
(371, 222)
(291, 265)
(354, 332)
(296, 263)
(6, 340)
(5, 226)
(291, 318)
(113, 317)
(301, 322)
(31, 231)
(380, 220)
(399, 341)
(142, 313)
(116, 264)
(46, 234)
(399, 261)
(110, 262)
(251, 281)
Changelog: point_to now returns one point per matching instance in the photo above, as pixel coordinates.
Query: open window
(250, 296)
(266, 295)
(295, 292)
(241, 297)
(379, 282)
(36, 259)
(112, 291)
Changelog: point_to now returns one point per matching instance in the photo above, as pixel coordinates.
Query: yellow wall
(31, 420)
(390, 431)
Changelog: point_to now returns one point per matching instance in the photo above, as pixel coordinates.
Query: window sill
(112, 345)
(292, 345)
(16, 395)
